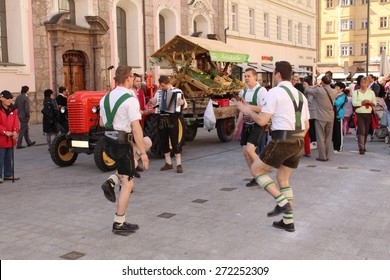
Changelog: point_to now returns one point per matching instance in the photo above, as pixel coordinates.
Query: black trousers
(168, 130)
(23, 132)
(312, 130)
(337, 137)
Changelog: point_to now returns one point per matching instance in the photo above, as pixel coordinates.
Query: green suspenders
(254, 98)
(111, 114)
(298, 109)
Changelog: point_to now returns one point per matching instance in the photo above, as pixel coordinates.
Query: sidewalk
(340, 208)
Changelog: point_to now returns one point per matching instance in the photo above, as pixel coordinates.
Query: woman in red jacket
(9, 129)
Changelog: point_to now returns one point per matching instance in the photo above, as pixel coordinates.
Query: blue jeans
(6, 162)
(388, 120)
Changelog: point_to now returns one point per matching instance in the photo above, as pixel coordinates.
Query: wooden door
(74, 71)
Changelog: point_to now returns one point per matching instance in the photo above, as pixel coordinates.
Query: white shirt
(278, 103)
(128, 111)
(250, 92)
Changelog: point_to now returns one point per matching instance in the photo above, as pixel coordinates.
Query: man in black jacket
(62, 101)
(22, 102)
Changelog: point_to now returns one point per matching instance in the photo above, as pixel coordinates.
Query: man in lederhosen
(252, 134)
(288, 111)
(120, 115)
(168, 125)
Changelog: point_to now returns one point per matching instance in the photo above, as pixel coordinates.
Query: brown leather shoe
(166, 167)
(179, 169)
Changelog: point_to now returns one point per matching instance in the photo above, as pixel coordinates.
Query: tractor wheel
(150, 130)
(225, 129)
(102, 160)
(190, 132)
(60, 151)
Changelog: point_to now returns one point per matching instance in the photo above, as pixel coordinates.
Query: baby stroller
(382, 132)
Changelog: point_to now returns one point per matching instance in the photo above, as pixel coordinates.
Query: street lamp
(368, 37)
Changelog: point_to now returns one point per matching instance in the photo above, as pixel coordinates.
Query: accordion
(167, 101)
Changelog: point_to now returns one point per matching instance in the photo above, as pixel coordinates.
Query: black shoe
(108, 190)
(251, 183)
(278, 210)
(11, 178)
(282, 225)
(137, 175)
(125, 227)
(31, 144)
(139, 169)
(20, 147)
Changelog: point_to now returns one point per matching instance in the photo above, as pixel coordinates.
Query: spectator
(62, 101)
(339, 105)
(9, 129)
(307, 82)
(363, 100)
(373, 85)
(50, 116)
(22, 103)
(324, 97)
(348, 110)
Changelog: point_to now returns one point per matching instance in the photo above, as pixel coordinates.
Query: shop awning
(300, 70)
(218, 51)
(336, 76)
(258, 68)
(364, 74)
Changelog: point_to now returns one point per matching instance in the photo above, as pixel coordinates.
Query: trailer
(201, 69)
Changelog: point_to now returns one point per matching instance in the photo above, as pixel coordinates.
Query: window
(363, 49)
(329, 51)
(309, 35)
(329, 26)
(364, 2)
(383, 22)
(234, 17)
(290, 27)
(3, 33)
(383, 1)
(347, 2)
(347, 24)
(346, 50)
(121, 34)
(364, 24)
(278, 28)
(251, 21)
(68, 6)
(266, 31)
(161, 20)
(329, 3)
(300, 33)
(382, 47)
(309, 3)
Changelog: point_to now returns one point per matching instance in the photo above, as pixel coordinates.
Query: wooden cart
(201, 70)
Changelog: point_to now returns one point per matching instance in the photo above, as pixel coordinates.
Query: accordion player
(167, 101)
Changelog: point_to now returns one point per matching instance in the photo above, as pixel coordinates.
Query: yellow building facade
(352, 32)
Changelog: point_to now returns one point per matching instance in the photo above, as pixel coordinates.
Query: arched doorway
(74, 70)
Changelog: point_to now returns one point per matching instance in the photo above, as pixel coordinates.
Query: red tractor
(85, 134)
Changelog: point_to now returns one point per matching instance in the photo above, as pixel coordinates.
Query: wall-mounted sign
(270, 58)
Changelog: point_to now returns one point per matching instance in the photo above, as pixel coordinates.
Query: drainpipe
(144, 34)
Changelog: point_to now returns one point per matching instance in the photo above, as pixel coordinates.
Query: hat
(6, 94)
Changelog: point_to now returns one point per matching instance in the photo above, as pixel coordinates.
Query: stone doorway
(74, 63)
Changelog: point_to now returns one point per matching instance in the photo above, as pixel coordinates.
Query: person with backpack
(252, 134)
(120, 115)
(339, 106)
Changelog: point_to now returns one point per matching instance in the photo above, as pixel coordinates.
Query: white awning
(336, 76)
(300, 70)
(257, 67)
(364, 74)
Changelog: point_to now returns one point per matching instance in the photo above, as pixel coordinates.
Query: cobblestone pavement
(340, 208)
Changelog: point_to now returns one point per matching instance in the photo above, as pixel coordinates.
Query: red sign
(270, 58)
